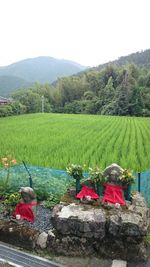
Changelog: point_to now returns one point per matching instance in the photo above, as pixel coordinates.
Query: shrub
(76, 171)
(52, 200)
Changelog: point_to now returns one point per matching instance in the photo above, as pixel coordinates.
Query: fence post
(30, 177)
(139, 182)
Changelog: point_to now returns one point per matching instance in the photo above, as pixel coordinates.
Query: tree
(89, 95)
(136, 103)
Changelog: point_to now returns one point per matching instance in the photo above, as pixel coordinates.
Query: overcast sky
(89, 32)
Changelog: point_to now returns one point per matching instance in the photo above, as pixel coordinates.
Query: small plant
(7, 162)
(11, 201)
(52, 200)
(76, 171)
(96, 175)
(41, 193)
(127, 177)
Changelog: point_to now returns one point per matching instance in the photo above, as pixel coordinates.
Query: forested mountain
(7, 83)
(115, 89)
(141, 59)
(28, 71)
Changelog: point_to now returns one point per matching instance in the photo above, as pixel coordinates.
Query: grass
(55, 140)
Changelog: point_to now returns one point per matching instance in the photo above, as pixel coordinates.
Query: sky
(90, 32)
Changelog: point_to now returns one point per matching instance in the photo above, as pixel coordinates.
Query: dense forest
(112, 90)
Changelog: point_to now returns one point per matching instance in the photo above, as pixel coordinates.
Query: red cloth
(87, 191)
(114, 194)
(25, 211)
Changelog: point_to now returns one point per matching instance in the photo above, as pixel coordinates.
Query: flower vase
(78, 185)
(99, 189)
(127, 192)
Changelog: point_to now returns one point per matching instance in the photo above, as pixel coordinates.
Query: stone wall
(107, 231)
(80, 229)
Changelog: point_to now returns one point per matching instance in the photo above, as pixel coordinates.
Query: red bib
(114, 194)
(25, 211)
(87, 191)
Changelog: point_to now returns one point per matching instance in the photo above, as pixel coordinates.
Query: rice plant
(55, 140)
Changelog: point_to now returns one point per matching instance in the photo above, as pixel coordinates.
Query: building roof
(4, 100)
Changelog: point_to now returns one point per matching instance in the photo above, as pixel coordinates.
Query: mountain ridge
(43, 69)
(46, 69)
(139, 58)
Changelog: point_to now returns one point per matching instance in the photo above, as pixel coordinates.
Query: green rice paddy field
(55, 140)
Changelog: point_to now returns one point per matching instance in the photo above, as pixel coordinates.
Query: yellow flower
(4, 160)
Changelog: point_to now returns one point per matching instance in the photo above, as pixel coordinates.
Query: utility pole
(42, 99)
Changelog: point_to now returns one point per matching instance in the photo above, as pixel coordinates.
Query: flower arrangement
(96, 175)
(76, 171)
(127, 177)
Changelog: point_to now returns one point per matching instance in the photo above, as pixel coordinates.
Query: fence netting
(57, 181)
(145, 185)
(43, 179)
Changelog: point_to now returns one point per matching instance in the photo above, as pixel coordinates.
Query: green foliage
(5, 110)
(113, 90)
(120, 88)
(96, 175)
(9, 202)
(12, 199)
(52, 200)
(41, 193)
(76, 171)
(127, 177)
(18, 108)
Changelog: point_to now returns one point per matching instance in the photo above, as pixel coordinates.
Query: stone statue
(112, 172)
(27, 195)
(26, 209)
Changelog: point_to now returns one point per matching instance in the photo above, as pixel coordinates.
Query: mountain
(7, 83)
(141, 59)
(41, 69)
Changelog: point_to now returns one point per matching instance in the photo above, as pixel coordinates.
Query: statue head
(27, 194)
(112, 172)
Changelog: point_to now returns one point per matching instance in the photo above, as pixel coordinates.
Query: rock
(70, 245)
(119, 263)
(132, 225)
(111, 233)
(42, 240)
(142, 211)
(138, 200)
(114, 225)
(51, 234)
(76, 220)
(86, 230)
